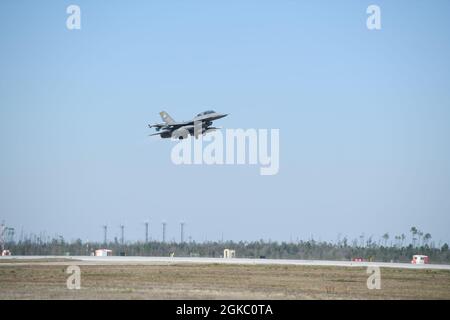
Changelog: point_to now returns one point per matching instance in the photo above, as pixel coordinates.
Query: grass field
(217, 281)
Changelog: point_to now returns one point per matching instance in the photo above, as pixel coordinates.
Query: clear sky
(364, 117)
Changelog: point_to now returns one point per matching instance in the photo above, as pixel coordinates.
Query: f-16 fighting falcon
(201, 124)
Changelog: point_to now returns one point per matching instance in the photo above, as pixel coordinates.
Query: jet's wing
(180, 124)
(158, 133)
(173, 125)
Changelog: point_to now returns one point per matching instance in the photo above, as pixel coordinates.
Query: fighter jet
(201, 124)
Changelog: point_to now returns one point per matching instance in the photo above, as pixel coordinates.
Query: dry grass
(186, 281)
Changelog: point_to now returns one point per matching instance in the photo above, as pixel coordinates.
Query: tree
(420, 233)
(397, 241)
(403, 237)
(2, 232)
(386, 238)
(427, 238)
(413, 233)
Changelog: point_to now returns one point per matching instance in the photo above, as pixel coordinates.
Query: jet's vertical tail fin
(166, 118)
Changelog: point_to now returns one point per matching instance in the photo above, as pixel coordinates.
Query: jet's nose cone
(221, 115)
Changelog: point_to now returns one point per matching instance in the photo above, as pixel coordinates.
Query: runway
(116, 260)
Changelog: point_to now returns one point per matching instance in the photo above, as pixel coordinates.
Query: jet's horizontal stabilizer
(159, 133)
(215, 128)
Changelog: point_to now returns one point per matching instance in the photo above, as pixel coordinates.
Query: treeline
(311, 249)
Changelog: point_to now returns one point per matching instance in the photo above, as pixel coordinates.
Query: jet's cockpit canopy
(205, 113)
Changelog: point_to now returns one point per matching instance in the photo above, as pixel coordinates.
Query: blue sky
(364, 117)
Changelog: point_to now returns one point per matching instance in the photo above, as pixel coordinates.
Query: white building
(420, 259)
(6, 253)
(103, 252)
(228, 254)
